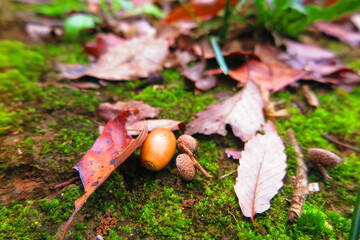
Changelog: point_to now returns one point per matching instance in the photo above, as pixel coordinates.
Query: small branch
(67, 183)
(301, 191)
(228, 174)
(332, 139)
(196, 163)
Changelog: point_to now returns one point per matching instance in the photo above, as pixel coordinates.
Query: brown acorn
(323, 160)
(185, 167)
(186, 143)
(158, 149)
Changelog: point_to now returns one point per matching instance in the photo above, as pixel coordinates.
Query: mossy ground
(46, 127)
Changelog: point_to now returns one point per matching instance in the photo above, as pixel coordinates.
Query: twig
(228, 174)
(301, 191)
(195, 162)
(332, 139)
(67, 183)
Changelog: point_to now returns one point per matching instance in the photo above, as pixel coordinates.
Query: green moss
(18, 221)
(59, 8)
(338, 115)
(60, 208)
(313, 222)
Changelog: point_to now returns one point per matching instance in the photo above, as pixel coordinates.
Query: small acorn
(186, 143)
(185, 167)
(323, 160)
(158, 149)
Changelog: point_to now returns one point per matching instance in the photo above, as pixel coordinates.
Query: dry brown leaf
(110, 149)
(195, 74)
(132, 59)
(108, 111)
(271, 77)
(243, 112)
(133, 128)
(260, 173)
(349, 37)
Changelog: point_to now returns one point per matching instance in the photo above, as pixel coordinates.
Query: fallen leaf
(270, 77)
(355, 19)
(110, 150)
(349, 37)
(136, 28)
(195, 74)
(102, 43)
(310, 96)
(321, 64)
(108, 111)
(230, 153)
(137, 57)
(201, 9)
(133, 128)
(260, 173)
(268, 54)
(301, 51)
(243, 112)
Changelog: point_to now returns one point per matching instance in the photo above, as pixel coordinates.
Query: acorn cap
(323, 157)
(187, 141)
(185, 167)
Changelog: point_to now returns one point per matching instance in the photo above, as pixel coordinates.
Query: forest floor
(47, 126)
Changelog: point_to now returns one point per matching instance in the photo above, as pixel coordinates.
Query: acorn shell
(158, 149)
(189, 141)
(323, 157)
(185, 167)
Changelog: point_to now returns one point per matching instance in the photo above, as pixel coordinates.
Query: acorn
(158, 149)
(323, 160)
(186, 143)
(185, 167)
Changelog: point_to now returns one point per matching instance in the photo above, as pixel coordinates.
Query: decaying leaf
(310, 96)
(349, 37)
(134, 128)
(260, 173)
(230, 153)
(102, 43)
(137, 57)
(110, 150)
(195, 74)
(243, 112)
(108, 111)
(202, 10)
(271, 77)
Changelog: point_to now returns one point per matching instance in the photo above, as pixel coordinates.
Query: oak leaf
(135, 58)
(110, 150)
(243, 112)
(260, 173)
(108, 111)
(270, 77)
(200, 9)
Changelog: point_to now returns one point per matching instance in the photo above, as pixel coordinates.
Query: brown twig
(196, 163)
(67, 183)
(301, 191)
(332, 139)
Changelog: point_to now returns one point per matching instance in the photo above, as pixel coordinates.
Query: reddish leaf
(102, 43)
(260, 173)
(230, 153)
(200, 9)
(349, 37)
(195, 74)
(134, 128)
(108, 111)
(322, 65)
(271, 77)
(110, 150)
(243, 111)
(132, 59)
